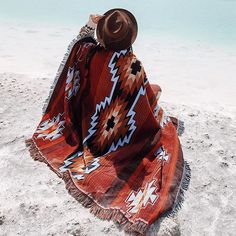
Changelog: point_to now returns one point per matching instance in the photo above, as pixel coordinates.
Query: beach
(198, 83)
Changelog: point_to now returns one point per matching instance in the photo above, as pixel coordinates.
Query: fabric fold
(104, 133)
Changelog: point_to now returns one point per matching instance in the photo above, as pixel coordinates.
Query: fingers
(95, 18)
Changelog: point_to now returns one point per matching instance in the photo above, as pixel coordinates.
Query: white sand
(199, 87)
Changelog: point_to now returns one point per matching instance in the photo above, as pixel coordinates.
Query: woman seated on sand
(104, 132)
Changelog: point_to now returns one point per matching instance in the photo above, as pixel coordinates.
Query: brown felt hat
(117, 29)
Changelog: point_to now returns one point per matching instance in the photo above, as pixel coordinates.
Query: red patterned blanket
(105, 134)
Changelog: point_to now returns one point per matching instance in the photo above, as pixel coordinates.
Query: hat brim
(100, 24)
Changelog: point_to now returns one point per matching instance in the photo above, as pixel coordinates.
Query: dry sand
(33, 201)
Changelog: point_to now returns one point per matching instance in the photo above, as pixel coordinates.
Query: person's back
(105, 134)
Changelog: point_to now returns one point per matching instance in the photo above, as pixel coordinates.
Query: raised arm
(89, 29)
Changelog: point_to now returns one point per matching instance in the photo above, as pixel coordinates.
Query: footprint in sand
(2, 219)
(29, 210)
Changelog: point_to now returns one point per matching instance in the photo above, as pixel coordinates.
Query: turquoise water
(211, 21)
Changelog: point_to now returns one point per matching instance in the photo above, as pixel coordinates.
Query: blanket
(104, 133)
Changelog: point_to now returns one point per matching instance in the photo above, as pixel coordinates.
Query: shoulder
(89, 40)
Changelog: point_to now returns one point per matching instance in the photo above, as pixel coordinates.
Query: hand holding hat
(93, 20)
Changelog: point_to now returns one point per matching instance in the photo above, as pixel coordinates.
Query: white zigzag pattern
(161, 154)
(68, 162)
(93, 166)
(156, 109)
(54, 134)
(107, 102)
(131, 122)
(72, 89)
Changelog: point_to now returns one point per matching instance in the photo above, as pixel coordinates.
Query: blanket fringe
(180, 127)
(136, 228)
(37, 155)
(59, 71)
(181, 193)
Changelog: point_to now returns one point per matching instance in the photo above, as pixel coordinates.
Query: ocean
(210, 21)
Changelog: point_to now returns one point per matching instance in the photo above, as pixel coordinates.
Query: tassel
(181, 193)
(134, 228)
(180, 127)
(59, 71)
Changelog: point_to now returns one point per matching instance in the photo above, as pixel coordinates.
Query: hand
(93, 20)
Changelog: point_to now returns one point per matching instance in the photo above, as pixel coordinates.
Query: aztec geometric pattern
(165, 120)
(113, 123)
(161, 116)
(72, 82)
(141, 198)
(139, 179)
(156, 110)
(51, 129)
(77, 167)
(161, 154)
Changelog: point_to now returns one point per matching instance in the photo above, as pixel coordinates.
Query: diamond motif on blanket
(132, 75)
(113, 126)
(51, 129)
(141, 198)
(113, 123)
(72, 83)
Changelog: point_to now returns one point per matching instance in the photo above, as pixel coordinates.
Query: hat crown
(117, 30)
(116, 25)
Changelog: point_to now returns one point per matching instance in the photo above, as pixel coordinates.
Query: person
(104, 132)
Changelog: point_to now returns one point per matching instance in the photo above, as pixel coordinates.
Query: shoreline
(199, 72)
